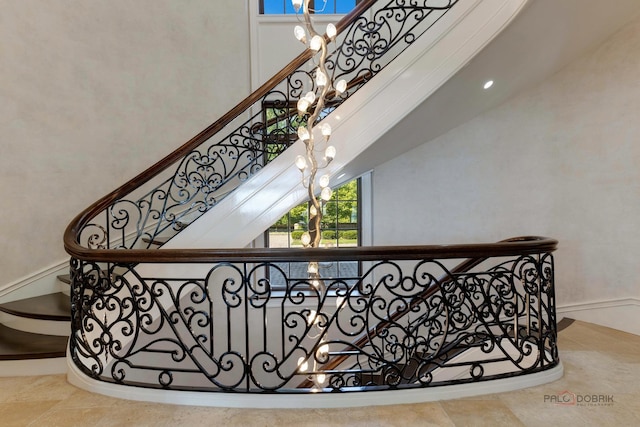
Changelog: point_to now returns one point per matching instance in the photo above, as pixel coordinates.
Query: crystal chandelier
(311, 106)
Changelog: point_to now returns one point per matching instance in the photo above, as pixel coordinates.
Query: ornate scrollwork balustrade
(190, 181)
(234, 321)
(416, 317)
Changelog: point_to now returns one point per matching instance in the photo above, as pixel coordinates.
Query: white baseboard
(621, 314)
(39, 283)
(31, 367)
(310, 400)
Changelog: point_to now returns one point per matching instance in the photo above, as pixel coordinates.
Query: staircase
(34, 333)
(145, 317)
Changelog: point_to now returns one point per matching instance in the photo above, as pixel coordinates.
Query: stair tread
(65, 278)
(19, 345)
(157, 241)
(54, 306)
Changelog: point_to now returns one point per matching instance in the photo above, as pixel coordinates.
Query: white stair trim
(39, 283)
(309, 400)
(31, 367)
(361, 120)
(36, 326)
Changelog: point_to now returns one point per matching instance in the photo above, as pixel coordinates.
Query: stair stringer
(361, 120)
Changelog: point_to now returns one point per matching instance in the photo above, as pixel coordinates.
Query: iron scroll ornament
(228, 331)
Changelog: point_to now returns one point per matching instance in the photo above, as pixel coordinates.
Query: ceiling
(545, 37)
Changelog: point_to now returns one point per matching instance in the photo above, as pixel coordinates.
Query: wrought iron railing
(192, 179)
(416, 317)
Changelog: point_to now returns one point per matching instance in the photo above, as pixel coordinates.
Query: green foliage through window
(340, 221)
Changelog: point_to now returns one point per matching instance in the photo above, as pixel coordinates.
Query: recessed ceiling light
(488, 84)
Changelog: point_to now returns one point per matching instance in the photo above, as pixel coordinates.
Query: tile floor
(597, 361)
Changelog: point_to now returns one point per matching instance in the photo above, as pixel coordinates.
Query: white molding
(308, 400)
(59, 328)
(31, 367)
(41, 282)
(622, 314)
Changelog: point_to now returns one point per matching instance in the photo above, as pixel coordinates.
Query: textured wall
(559, 160)
(94, 92)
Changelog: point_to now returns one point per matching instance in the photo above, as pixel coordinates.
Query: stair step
(45, 307)
(64, 278)
(161, 240)
(156, 241)
(19, 345)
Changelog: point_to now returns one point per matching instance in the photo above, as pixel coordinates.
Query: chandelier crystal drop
(313, 268)
(321, 79)
(300, 34)
(310, 97)
(324, 181)
(316, 43)
(326, 194)
(301, 163)
(341, 86)
(325, 128)
(332, 31)
(305, 239)
(330, 153)
(303, 134)
(302, 105)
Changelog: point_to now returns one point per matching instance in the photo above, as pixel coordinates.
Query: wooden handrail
(76, 225)
(417, 300)
(517, 246)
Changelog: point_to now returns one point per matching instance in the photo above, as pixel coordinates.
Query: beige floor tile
(84, 399)
(158, 415)
(23, 413)
(489, 413)
(49, 387)
(76, 418)
(602, 339)
(597, 360)
(566, 343)
(10, 385)
(602, 372)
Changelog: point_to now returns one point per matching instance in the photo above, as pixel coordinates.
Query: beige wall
(560, 160)
(94, 92)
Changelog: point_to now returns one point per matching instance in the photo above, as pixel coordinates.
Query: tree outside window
(340, 222)
(341, 227)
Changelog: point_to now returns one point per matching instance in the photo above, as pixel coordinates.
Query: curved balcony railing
(416, 317)
(214, 320)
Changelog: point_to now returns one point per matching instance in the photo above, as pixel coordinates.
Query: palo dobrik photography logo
(565, 398)
(568, 398)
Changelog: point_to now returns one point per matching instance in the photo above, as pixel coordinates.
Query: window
(281, 123)
(341, 227)
(281, 7)
(340, 221)
(280, 126)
